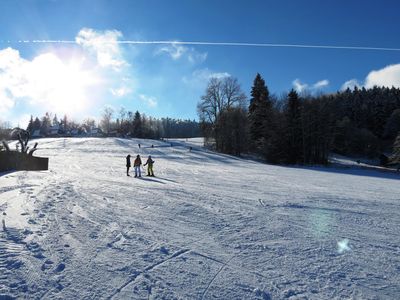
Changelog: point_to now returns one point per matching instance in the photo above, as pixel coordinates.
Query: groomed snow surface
(208, 226)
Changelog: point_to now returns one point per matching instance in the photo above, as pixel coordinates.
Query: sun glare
(63, 86)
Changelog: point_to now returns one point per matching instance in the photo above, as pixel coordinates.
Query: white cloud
(206, 74)
(302, 87)
(298, 86)
(149, 101)
(196, 57)
(46, 81)
(11, 78)
(67, 81)
(350, 84)
(121, 91)
(176, 52)
(6, 102)
(104, 45)
(388, 76)
(199, 78)
(321, 84)
(22, 121)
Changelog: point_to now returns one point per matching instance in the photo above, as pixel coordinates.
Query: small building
(36, 134)
(114, 133)
(54, 130)
(74, 132)
(96, 132)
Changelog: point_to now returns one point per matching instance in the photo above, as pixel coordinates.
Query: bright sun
(62, 86)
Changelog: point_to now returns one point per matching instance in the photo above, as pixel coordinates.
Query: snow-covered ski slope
(208, 226)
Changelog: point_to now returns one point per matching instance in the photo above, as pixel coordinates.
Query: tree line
(300, 129)
(123, 124)
(290, 129)
(5, 130)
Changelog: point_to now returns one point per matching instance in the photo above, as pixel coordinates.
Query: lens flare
(343, 246)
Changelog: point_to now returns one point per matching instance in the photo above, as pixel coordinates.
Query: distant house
(54, 130)
(74, 132)
(96, 132)
(113, 133)
(81, 131)
(36, 134)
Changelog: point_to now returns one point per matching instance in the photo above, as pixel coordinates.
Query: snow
(208, 226)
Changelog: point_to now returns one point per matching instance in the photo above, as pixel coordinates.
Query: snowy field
(208, 226)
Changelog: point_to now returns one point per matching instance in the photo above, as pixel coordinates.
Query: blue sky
(95, 70)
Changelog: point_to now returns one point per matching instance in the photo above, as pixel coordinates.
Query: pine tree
(395, 157)
(232, 133)
(65, 123)
(45, 124)
(259, 112)
(37, 124)
(392, 126)
(30, 126)
(137, 125)
(316, 130)
(294, 128)
(55, 120)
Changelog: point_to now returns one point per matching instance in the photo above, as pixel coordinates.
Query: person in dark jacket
(136, 164)
(149, 164)
(128, 164)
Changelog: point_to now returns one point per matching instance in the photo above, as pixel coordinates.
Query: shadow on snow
(352, 171)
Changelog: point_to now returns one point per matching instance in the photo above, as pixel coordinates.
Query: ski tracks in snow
(11, 251)
(215, 229)
(147, 269)
(216, 274)
(20, 255)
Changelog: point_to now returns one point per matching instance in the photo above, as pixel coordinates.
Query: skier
(149, 164)
(128, 164)
(136, 164)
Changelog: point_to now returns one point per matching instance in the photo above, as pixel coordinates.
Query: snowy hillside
(208, 226)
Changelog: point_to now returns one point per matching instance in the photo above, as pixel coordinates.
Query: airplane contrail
(232, 44)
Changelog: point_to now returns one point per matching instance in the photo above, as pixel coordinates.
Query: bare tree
(233, 95)
(209, 106)
(88, 124)
(106, 119)
(221, 93)
(122, 114)
(5, 129)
